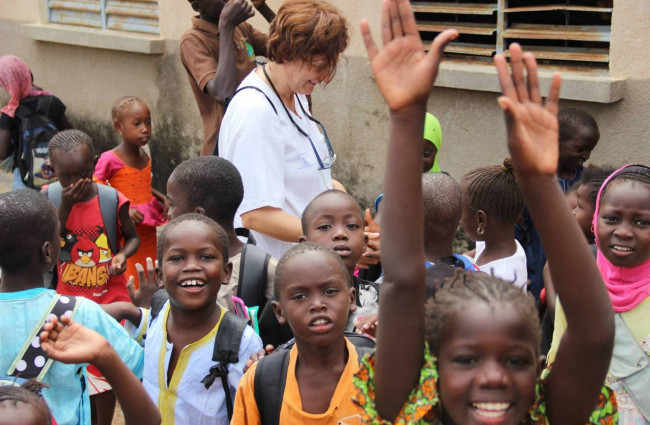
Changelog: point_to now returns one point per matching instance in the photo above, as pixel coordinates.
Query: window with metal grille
(572, 34)
(121, 15)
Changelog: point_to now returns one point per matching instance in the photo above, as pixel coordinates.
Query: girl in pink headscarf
(16, 79)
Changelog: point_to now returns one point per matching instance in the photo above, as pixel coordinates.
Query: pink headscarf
(627, 286)
(16, 79)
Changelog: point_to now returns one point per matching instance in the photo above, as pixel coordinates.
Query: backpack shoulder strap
(269, 382)
(253, 272)
(226, 350)
(43, 105)
(31, 361)
(108, 202)
(53, 193)
(157, 302)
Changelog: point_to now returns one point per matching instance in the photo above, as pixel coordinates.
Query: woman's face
(305, 75)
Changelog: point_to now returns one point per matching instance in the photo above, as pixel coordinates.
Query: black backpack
(31, 153)
(226, 346)
(271, 376)
(253, 272)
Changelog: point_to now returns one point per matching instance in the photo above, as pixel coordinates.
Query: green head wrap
(433, 133)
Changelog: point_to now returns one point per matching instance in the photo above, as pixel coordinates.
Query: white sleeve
(252, 139)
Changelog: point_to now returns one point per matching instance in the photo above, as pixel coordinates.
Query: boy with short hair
(204, 347)
(217, 53)
(212, 186)
(315, 298)
(333, 219)
(29, 247)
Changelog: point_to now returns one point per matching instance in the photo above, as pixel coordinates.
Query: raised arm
(70, 342)
(405, 76)
(585, 351)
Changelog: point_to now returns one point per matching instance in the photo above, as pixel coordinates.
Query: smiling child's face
(193, 266)
(488, 366)
(336, 222)
(315, 298)
(624, 223)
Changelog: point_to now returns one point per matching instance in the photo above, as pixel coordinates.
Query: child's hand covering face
(403, 70)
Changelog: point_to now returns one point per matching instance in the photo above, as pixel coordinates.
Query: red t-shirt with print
(86, 256)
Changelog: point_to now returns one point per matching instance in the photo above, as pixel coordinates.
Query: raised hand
(118, 265)
(404, 71)
(532, 125)
(69, 342)
(147, 285)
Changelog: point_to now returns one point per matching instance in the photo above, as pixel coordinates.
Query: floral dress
(423, 405)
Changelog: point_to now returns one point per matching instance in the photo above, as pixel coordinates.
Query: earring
(480, 230)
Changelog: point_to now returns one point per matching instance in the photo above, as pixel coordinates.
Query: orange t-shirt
(341, 410)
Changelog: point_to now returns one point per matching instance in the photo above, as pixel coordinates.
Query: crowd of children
(210, 329)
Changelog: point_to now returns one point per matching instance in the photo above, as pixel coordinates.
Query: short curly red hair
(303, 29)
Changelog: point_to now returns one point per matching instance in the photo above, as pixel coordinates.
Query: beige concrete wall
(351, 108)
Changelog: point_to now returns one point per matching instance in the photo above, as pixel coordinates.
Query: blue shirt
(67, 395)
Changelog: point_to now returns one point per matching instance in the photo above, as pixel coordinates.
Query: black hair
(634, 173)
(592, 179)
(28, 394)
(69, 140)
(27, 220)
(441, 198)
(466, 287)
(222, 237)
(212, 183)
(298, 250)
(307, 212)
(571, 119)
(494, 190)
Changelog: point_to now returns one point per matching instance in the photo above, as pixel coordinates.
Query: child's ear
(353, 300)
(481, 218)
(200, 210)
(117, 125)
(302, 239)
(46, 253)
(227, 271)
(159, 276)
(278, 312)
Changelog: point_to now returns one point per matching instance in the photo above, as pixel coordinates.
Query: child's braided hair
(593, 178)
(122, 104)
(69, 140)
(494, 190)
(28, 394)
(467, 287)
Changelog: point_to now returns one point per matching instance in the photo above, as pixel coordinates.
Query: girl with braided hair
(479, 363)
(491, 205)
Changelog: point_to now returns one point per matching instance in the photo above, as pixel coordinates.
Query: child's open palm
(69, 342)
(532, 126)
(404, 71)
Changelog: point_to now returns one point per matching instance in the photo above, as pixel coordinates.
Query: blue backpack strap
(32, 362)
(465, 263)
(53, 193)
(108, 202)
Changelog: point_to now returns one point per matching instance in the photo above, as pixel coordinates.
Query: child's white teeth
(622, 248)
(320, 322)
(491, 410)
(193, 282)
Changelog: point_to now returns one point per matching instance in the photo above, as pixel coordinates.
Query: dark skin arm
(532, 127)
(79, 191)
(163, 200)
(264, 9)
(122, 310)
(225, 82)
(70, 342)
(404, 75)
(131, 242)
